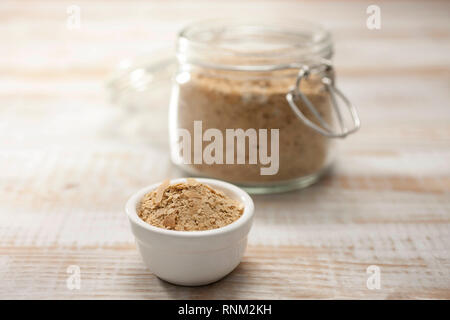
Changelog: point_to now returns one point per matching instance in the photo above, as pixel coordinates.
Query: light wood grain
(67, 166)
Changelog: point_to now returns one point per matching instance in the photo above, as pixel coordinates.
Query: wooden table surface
(67, 164)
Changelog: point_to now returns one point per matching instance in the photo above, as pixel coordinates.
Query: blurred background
(74, 144)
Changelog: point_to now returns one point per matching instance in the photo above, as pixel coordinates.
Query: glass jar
(255, 104)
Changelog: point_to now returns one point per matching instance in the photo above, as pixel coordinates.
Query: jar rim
(235, 44)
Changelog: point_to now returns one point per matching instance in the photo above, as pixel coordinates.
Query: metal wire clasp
(324, 69)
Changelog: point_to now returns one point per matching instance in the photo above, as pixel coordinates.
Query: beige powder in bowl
(189, 206)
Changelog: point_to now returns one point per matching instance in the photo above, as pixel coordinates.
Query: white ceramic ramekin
(192, 258)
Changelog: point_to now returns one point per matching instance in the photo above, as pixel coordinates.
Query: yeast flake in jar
(256, 104)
